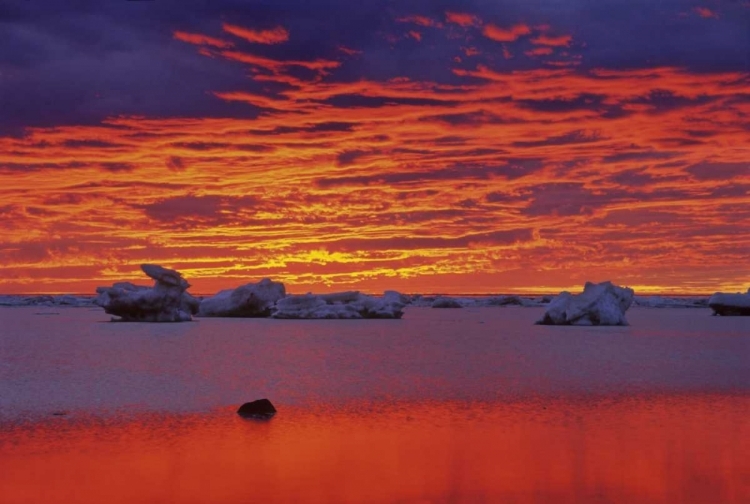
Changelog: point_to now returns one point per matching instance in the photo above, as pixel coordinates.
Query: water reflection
(687, 449)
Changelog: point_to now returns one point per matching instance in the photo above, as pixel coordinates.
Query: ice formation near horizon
(64, 300)
(730, 304)
(167, 301)
(249, 300)
(341, 305)
(670, 302)
(478, 302)
(598, 304)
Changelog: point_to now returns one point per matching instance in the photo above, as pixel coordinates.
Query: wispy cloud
(275, 35)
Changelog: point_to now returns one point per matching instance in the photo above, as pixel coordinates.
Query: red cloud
(419, 20)
(415, 35)
(539, 51)
(559, 41)
(198, 39)
(274, 36)
(705, 12)
(498, 34)
(348, 51)
(462, 19)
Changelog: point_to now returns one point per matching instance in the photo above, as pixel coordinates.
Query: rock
(250, 300)
(340, 305)
(598, 304)
(446, 302)
(166, 301)
(730, 304)
(262, 409)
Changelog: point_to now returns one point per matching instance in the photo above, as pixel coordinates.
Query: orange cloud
(536, 179)
(197, 39)
(559, 41)
(498, 34)
(462, 19)
(273, 36)
(415, 35)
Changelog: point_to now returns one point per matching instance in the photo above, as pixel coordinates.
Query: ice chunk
(249, 300)
(598, 304)
(730, 304)
(166, 301)
(340, 305)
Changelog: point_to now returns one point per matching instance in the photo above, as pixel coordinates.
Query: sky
(474, 146)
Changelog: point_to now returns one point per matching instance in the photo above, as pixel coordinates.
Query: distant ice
(670, 302)
(62, 300)
(478, 302)
(250, 300)
(166, 301)
(341, 305)
(730, 304)
(598, 304)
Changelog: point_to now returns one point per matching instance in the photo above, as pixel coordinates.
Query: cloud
(198, 39)
(462, 19)
(498, 34)
(705, 12)
(554, 41)
(376, 167)
(275, 35)
(420, 21)
(538, 51)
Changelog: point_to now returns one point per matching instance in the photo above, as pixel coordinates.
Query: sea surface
(453, 405)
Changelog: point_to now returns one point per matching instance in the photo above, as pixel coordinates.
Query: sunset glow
(460, 151)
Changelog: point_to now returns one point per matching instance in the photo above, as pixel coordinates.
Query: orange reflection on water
(687, 449)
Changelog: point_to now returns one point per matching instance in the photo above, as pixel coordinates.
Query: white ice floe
(166, 301)
(670, 302)
(730, 304)
(250, 300)
(341, 305)
(598, 304)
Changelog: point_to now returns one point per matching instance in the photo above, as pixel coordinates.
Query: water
(470, 405)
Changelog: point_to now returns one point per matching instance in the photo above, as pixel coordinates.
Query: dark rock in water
(261, 409)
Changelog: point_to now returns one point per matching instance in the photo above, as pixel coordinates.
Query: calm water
(472, 405)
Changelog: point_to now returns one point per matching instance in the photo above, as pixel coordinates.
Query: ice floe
(598, 304)
(167, 301)
(730, 304)
(250, 300)
(341, 305)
